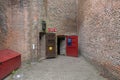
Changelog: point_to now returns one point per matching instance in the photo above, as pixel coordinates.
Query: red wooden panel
(9, 61)
(72, 48)
(7, 54)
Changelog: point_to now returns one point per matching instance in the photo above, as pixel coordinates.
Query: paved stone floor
(60, 68)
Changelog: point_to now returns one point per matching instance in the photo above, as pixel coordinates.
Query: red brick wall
(61, 14)
(99, 37)
(17, 22)
(19, 29)
(21, 23)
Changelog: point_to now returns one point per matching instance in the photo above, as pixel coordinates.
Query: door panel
(50, 45)
(72, 46)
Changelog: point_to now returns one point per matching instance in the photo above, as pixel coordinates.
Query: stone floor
(60, 68)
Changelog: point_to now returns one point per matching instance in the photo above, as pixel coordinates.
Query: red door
(72, 46)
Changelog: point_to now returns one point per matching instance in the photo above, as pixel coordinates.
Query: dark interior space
(41, 34)
(60, 38)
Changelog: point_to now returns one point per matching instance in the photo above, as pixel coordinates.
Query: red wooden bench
(9, 61)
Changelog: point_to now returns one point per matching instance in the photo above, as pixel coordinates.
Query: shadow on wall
(3, 23)
(81, 18)
(19, 3)
(3, 17)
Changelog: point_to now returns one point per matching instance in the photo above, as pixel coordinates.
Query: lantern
(44, 26)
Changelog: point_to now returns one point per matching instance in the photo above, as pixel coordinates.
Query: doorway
(61, 45)
(47, 45)
(42, 46)
(72, 46)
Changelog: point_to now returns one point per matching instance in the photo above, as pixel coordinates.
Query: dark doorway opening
(61, 45)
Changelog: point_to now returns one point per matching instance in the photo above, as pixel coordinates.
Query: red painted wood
(9, 61)
(72, 50)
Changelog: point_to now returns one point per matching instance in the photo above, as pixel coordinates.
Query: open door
(61, 45)
(72, 46)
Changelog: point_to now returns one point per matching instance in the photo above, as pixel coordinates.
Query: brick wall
(21, 23)
(61, 14)
(20, 26)
(99, 37)
(3, 23)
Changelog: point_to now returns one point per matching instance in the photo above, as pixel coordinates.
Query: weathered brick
(99, 38)
(21, 23)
